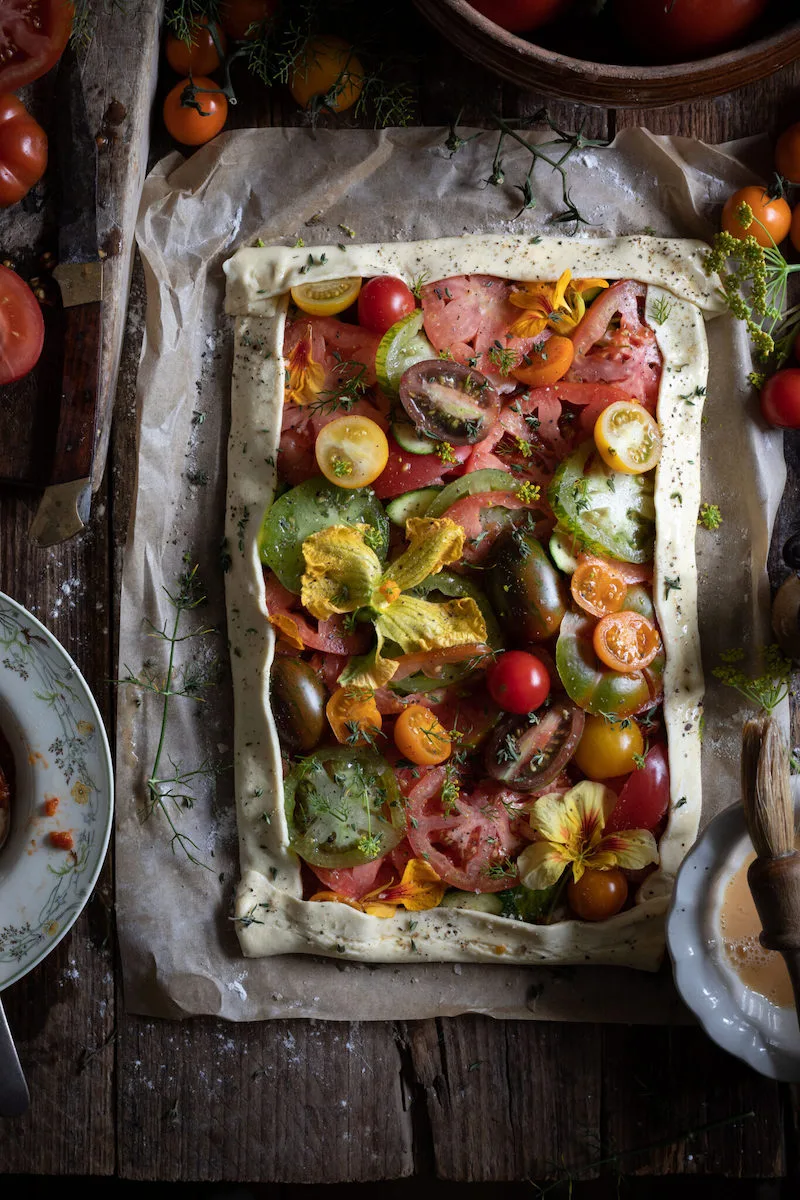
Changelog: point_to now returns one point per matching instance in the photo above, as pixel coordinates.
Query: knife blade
(66, 501)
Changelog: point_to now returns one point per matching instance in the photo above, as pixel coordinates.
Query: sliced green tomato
(595, 687)
(486, 902)
(327, 297)
(411, 504)
(401, 346)
(488, 479)
(627, 437)
(611, 514)
(563, 547)
(343, 808)
(307, 508)
(407, 437)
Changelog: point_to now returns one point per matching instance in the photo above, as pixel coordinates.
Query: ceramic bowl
(740, 1020)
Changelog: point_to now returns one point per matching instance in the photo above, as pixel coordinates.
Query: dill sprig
(766, 690)
(754, 283)
(169, 790)
(660, 310)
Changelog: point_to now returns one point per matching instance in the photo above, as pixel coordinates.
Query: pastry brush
(774, 875)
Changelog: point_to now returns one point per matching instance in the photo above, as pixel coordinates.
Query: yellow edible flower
(559, 306)
(571, 831)
(419, 889)
(304, 376)
(344, 574)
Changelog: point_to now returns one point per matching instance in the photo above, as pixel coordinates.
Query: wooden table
(466, 1099)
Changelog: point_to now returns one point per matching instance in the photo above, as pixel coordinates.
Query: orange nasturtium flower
(558, 306)
(304, 376)
(570, 829)
(419, 889)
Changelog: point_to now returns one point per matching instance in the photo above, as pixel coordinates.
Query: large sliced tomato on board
(33, 34)
(614, 345)
(21, 327)
(644, 798)
(471, 845)
(405, 472)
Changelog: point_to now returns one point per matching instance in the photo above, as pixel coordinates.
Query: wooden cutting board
(119, 68)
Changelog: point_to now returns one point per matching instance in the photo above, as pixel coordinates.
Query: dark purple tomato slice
(527, 753)
(449, 401)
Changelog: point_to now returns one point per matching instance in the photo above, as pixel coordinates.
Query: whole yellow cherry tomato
(609, 748)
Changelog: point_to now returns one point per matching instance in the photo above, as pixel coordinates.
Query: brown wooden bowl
(607, 85)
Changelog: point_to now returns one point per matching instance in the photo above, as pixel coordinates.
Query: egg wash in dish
(463, 489)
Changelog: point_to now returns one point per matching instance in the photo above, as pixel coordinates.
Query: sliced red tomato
(471, 846)
(644, 798)
(337, 345)
(328, 636)
(355, 882)
(630, 572)
(33, 35)
(624, 353)
(21, 327)
(483, 517)
(405, 472)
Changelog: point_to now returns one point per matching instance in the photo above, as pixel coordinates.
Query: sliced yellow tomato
(627, 437)
(351, 451)
(327, 297)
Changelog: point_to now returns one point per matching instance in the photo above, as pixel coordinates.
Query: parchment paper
(179, 952)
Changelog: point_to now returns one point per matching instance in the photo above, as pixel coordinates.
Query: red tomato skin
(44, 42)
(23, 151)
(780, 399)
(520, 16)
(406, 472)
(383, 301)
(519, 682)
(644, 798)
(21, 327)
(685, 29)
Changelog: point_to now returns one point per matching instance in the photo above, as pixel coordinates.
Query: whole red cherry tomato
(780, 399)
(23, 151)
(382, 301)
(518, 682)
(685, 29)
(787, 154)
(201, 56)
(521, 16)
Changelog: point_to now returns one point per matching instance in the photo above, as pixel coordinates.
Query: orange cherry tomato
(794, 228)
(597, 588)
(549, 361)
(188, 124)
(420, 736)
(598, 895)
(326, 75)
(202, 56)
(787, 154)
(626, 641)
(353, 716)
(775, 216)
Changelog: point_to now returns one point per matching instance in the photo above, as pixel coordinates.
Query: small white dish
(740, 1020)
(60, 749)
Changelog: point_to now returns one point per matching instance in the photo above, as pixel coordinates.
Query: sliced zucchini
(563, 546)
(412, 504)
(488, 902)
(401, 346)
(407, 437)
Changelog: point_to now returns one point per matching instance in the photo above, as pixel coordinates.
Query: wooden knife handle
(78, 413)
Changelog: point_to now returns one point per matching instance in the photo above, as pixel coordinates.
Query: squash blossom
(304, 376)
(344, 575)
(559, 306)
(571, 831)
(419, 889)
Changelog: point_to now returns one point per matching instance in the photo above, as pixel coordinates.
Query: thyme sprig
(171, 789)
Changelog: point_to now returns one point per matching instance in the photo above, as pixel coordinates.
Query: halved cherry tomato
(384, 301)
(609, 748)
(351, 451)
(626, 641)
(200, 56)
(32, 39)
(644, 798)
(772, 216)
(327, 298)
(191, 125)
(326, 74)
(420, 736)
(787, 154)
(598, 588)
(519, 682)
(598, 895)
(527, 755)
(241, 18)
(23, 151)
(548, 362)
(21, 327)
(353, 716)
(627, 438)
